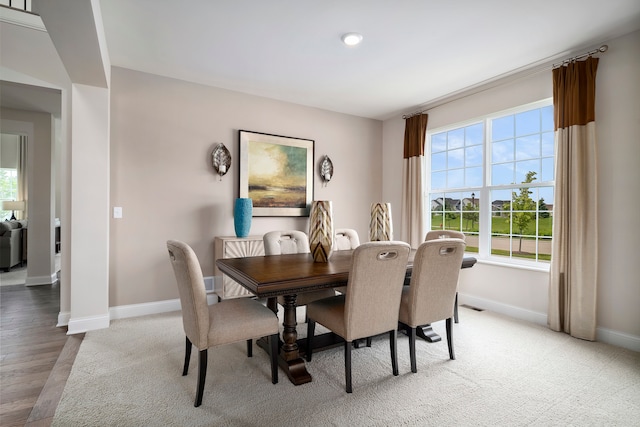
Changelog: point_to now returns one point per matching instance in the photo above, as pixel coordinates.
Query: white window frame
(483, 193)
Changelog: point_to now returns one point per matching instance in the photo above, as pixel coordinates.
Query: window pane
(439, 142)
(437, 202)
(548, 144)
(502, 151)
(455, 158)
(456, 138)
(523, 168)
(502, 128)
(528, 147)
(438, 180)
(547, 118)
(455, 178)
(439, 161)
(528, 122)
(502, 174)
(473, 177)
(473, 156)
(547, 170)
(474, 135)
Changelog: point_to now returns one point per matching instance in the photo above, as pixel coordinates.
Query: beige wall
(524, 293)
(162, 134)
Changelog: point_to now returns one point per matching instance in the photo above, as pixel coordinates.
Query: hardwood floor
(35, 355)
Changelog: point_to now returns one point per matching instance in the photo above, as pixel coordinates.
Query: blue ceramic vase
(242, 213)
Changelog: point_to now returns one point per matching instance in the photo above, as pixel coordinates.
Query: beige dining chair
(447, 234)
(346, 239)
(370, 305)
(292, 242)
(225, 322)
(431, 292)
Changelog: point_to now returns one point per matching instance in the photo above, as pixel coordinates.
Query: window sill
(521, 266)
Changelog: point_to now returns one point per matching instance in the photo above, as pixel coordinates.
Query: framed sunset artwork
(276, 173)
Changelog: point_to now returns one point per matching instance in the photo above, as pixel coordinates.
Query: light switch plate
(117, 212)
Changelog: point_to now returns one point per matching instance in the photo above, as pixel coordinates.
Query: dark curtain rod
(601, 49)
(406, 116)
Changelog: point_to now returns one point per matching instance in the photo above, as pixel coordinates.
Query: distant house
(445, 204)
(499, 206)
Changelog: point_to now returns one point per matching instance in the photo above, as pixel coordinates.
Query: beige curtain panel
(574, 262)
(415, 132)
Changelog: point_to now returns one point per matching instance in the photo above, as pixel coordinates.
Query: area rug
(506, 372)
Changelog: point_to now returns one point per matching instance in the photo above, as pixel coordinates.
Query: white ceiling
(413, 52)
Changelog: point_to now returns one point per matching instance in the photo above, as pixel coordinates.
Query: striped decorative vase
(381, 225)
(242, 213)
(321, 235)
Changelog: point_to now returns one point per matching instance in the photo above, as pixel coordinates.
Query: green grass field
(499, 225)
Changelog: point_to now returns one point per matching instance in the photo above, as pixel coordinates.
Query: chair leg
(202, 374)
(273, 340)
(311, 327)
(449, 326)
(249, 348)
(455, 309)
(187, 357)
(393, 343)
(412, 349)
(347, 365)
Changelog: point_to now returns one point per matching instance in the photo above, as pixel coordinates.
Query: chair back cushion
(346, 239)
(444, 234)
(375, 284)
(193, 296)
(286, 242)
(434, 281)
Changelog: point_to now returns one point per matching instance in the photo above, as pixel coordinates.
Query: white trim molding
(144, 309)
(63, 318)
(608, 336)
(89, 323)
(618, 339)
(41, 280)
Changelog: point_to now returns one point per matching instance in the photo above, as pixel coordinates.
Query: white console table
(235, 247)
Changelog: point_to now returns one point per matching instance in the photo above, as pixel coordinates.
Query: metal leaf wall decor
(326, 170)
(221, 160)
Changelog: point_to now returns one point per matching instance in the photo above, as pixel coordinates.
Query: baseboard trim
(619, 339)
(88, 323)
(608, 336)
(63, 318)
(157, 307)
(506, 309)
(41, 280)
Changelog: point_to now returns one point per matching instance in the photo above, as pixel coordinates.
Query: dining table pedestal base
(427, 333)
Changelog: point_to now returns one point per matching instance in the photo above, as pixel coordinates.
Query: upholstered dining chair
(447, 234)
(226, 322)
(292, 242)
(369, 306)
(346, 239)
(431, 292)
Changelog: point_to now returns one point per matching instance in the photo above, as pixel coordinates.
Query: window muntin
(493, 180)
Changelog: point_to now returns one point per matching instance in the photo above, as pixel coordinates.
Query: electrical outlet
(117, 212)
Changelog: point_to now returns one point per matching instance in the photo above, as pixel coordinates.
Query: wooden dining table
(289, 275)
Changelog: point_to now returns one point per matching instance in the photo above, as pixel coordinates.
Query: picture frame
(276, 172)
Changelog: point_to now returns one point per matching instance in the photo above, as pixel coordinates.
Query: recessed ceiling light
(351, 39)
